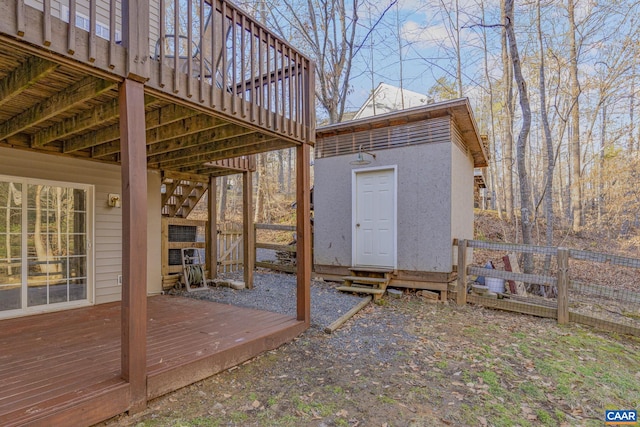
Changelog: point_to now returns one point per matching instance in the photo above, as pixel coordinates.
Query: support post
(134, 241)
(247, 229)
(303, 233)
(135, 38)
(212, 230)
(563, 286)
(461, 288)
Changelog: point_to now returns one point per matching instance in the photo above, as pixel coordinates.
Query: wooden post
(247, 229)
(255, 242)
(563, 286)
(212, 230)
(461, 289)
(303, 233)
(310, 113)
(164, 247)
(135, 38)
(134, 241)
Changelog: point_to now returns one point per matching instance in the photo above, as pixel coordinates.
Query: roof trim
(458, 109)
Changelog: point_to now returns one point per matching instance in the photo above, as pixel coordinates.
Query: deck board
(58, 366)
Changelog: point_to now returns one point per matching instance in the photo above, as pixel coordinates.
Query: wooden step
(359, 290)
(370, 270)
(365, 280)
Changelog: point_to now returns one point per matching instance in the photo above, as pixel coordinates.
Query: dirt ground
(411, 362)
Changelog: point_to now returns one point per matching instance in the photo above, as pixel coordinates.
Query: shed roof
(458, 109)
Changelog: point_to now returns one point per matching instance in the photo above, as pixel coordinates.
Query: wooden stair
(367, 280)
(181, 196)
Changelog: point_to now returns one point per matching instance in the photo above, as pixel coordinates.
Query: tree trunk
(290, 176)
(222, 208)
(493, 171)
(600, 183)
(59, 219)
(43, 252)
(632, 102)
(280, 171)
(549, 158)
(508, 128)
(260, 182)
(574, 145)
(521, 147)
(458, 53)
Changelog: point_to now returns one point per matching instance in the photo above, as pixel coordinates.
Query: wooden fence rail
(561, 281)
(290, 249)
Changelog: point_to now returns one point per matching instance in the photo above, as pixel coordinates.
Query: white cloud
(437, 35)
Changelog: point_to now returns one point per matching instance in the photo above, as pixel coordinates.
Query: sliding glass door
(44, 244)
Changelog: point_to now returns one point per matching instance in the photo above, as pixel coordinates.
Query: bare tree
(574, 144)
(507, 81)
(327, 30)
(549, 158)
(526, 210)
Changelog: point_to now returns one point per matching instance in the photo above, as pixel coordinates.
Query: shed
(393, 191)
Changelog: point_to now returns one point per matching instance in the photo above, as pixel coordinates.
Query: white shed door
(374, 244)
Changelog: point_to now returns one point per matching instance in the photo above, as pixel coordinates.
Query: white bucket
(494, 284)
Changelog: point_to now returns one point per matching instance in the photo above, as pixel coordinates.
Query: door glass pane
(56, 252)
(77, 267)
(10, 285)
(4, 193)
(15, 246)
(15, 219)
(58, 291)
(79, 198)
(10, 246)
(10, 194)
(77, 244)
(57, 236)
(77, 289)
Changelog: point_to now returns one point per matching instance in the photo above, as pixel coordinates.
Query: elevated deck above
(233, 89)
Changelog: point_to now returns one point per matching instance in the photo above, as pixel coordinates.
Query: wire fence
(570, 285)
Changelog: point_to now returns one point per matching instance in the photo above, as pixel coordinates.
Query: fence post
(563, 286)
(461, 289)
(255, 241)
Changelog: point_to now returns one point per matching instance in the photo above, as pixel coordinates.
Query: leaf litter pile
(412, 362)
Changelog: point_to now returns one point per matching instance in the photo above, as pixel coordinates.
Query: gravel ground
(276, 292)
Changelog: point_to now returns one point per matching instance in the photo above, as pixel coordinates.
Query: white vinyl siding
(108, 221)
(105, 178)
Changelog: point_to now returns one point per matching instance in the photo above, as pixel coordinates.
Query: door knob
(358, 225)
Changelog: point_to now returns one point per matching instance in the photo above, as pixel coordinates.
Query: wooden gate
(230, 255)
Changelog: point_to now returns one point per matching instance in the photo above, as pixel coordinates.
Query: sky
(427, 46)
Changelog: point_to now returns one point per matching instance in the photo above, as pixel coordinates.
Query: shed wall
(424, 203)
(108, 221)
(461, 191)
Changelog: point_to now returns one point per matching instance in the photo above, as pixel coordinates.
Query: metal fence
(570, 285)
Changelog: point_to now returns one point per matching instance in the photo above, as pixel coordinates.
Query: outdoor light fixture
(113, 200)
(360, 160)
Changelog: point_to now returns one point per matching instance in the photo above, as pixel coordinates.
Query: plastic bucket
(495, 285)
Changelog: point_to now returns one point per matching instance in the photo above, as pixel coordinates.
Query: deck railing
(210, 52)
(246, 69)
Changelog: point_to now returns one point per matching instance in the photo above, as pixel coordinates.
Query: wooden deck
(64, 368)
